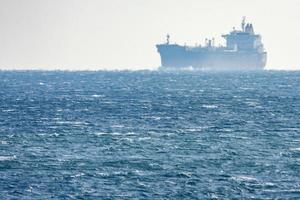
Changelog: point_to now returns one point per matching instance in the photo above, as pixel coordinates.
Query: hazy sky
(121, 34)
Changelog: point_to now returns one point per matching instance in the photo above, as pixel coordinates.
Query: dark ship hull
(243, 51)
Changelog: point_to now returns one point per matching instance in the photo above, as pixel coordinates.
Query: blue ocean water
(149, 135)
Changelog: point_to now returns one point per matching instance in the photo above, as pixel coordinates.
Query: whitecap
(269, 184)
(227, 130)
(103, 174)
(106, 133)
(29, 189)
(101, 133)
(187, 174)
(280, 191)
(97, 95)
(130, 140)
(55, 134)
(76, 123)
(4, 158)
(209, 106)
(156, 118)
(243, 178)
(194, 129)
(295, 149)
(144, 138)
(3, 142)
(252, 103)
(141, 184)
(139, 172)
(246, 88)
(130, 133)
(117, 126)
(170, 182)
(78, 175)
(8, 110)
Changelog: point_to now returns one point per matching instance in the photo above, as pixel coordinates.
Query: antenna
(168, 38)
(243, 23)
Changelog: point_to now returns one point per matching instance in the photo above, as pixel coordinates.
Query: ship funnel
(251, 29)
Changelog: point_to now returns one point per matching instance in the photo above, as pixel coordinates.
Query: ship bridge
(244, 40)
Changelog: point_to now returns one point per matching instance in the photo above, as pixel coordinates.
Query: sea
(149, 135)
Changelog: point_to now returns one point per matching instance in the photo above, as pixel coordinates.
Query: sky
(122, 34)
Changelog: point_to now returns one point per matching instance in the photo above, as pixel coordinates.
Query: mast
(168, 39)
(243, 23)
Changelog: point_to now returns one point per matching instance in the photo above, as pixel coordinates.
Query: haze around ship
(118, 34)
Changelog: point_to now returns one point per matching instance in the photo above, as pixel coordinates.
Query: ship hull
(179, 57)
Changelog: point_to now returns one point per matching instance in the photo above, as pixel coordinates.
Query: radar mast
(243, 23)
(168, 38)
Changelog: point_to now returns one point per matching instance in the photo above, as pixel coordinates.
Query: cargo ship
(244, 51)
